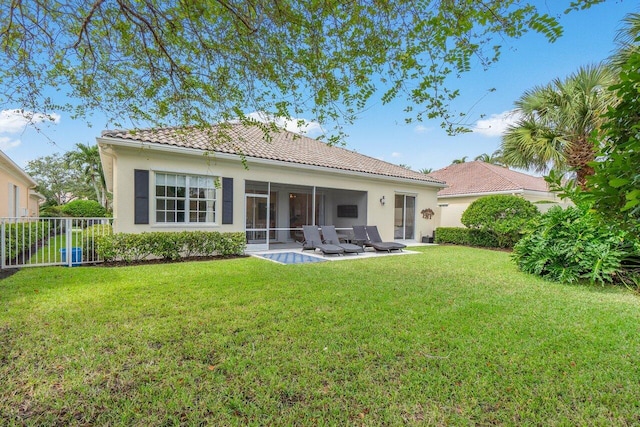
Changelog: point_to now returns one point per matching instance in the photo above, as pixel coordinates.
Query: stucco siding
(12, 185)
(450, 209)
(127, 159)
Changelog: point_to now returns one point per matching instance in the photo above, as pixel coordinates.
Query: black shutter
(227, 200)
(141, 190)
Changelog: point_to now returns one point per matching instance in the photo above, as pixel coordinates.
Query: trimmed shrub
(571, 245)
(126, 247)
(465, 236)
(500, 217)
(484, 239)
(18, 235)
(453, 235)
(84, 209)
(131, 247)
(90, 235)
(198, 244)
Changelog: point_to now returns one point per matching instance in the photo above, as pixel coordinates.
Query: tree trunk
(579, 154)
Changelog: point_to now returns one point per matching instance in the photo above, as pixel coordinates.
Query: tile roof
(284, 146)
(480, 177)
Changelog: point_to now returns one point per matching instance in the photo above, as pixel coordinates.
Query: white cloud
(395, 154)
(16, 121)
(497, 124)
(13, 121)
(7, 143)
(300, 126)
(421, 129)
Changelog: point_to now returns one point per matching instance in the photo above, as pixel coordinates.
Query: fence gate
(33, 242)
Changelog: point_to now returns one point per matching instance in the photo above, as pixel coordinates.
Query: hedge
(90, 237)
(16, 244)
(130, 247)
(452, 235)
(466, 237)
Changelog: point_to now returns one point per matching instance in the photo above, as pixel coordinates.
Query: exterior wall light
(382, 201)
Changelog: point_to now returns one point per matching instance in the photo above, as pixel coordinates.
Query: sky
(380, 131)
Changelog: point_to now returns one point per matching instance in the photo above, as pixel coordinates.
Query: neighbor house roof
(480, 177)
(283, 146)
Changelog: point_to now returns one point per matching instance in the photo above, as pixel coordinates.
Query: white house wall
(450, 209)
(127, 159)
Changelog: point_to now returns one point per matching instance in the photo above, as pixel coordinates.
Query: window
(185, 198)
(14, 200)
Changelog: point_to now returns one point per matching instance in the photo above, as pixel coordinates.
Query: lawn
(451, 336)
(51, 250)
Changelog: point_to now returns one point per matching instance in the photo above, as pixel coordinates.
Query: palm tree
(425, 171)
(458, 161)
(87, 159)
(495, 158)
(627, 40)
(557, 123)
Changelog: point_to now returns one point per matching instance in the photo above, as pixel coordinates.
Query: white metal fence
(32, 242)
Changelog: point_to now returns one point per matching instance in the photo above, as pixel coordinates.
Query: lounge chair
(331, 236)
(376, 241)
(312, 241)
(360, 236)
(369, 236)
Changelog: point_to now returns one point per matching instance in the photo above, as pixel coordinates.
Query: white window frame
(14, 200)
(191, 181)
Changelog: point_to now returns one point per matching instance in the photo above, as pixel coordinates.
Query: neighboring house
(18, 197)
(176, 178)
(466, 182)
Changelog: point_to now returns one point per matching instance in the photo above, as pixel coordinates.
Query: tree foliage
(599, 239)
(198, 62)
(627, 40)
(86, 159)
(557, 122)
(459, 161)
(75, 174)
(496, 158)
(57, 181)
(614, 188)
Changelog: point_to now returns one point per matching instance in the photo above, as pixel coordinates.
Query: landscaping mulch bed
(4, 273)
(167, 261)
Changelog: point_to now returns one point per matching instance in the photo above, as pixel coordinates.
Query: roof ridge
(503, 176)
(282, 145)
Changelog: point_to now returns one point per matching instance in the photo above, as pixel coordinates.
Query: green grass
(50, 251)
(452, 336)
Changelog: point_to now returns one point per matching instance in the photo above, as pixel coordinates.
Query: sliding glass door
(405, 217)
(257, 220)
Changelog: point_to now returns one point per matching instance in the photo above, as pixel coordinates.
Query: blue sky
(381, 131)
